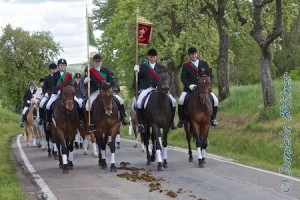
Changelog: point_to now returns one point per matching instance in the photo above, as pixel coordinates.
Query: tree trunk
(175, 84)
(266, 78)
(222, 68)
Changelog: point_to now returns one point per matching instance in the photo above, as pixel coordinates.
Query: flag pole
(88, 64)
(136, 53)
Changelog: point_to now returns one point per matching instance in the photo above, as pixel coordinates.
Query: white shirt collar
(196, 63)
(98, 68)
(152, 65)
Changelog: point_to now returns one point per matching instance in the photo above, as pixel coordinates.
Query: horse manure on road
(154, 182)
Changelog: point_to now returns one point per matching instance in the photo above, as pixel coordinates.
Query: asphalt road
(219, 179)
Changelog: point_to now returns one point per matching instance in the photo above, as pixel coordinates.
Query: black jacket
(58, 87)
(49, 84)
(96, 83)
(28, 96)
(145, 78)
(190, 76)
(80, 90)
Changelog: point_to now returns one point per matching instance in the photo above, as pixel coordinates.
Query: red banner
(144, 33)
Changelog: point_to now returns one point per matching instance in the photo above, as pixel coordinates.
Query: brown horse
(29, 122)
(105, 117)
(197, 122)
(64, 125)
(157, 115)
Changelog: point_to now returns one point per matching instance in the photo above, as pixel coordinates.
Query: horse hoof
(203, 160)
(165, 164)
(65, 171)
(60, 166)
(143, 150)
(191, 159)
(95, 154)
(118, 147)
(152, 158)
(148, 162)
(135, 146)
(55, 157)
(113, 168)
(70, 165)
(160, 167)
(201, 163)
(49, 155)
(85, 153)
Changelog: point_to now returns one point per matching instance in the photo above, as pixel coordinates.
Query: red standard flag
(144, 31)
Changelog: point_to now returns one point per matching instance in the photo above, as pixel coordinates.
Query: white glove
(86, 80)
(136, 68)
(192, 86)
(28, 101)
(58, 92)
(47, 95)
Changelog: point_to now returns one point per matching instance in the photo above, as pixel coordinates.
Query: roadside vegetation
(249, 133)
(10, 188)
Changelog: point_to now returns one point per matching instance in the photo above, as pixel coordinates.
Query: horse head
(164, 82)
(67, 97)
(202, 88)
(106, 94)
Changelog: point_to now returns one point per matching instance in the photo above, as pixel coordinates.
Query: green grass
(10, 188)
(249, 133)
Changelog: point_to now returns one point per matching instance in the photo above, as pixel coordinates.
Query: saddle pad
(147, 99)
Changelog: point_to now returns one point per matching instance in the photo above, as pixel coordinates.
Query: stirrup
(214, 123)
(92, 128)
(22, 125)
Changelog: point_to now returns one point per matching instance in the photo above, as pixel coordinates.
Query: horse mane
(164, 81)
(202, 88)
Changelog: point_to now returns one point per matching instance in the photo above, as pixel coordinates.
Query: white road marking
(37, 178)
(227, 160)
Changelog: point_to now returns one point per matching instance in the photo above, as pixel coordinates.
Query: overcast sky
(65, 19)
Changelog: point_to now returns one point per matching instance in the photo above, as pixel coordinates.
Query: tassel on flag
(144, 31)
(92, 39)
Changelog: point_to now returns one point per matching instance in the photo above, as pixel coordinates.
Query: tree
(24, 57)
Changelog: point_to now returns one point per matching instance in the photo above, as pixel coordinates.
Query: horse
(197, 122)
(29, 122)
(134, 124)
(105, 116)
(157, 115)
(64, 125)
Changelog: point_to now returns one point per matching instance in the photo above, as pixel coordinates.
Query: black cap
(62, 61)
(97, 57)
(31, 83)
(52, 66)
(42, 80)
(192, 50)
(152, 52)
(77, 75)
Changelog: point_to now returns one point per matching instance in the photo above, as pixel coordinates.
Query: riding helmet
(152, 52)
(62, 61)
(42, 80)
(31, 83)
(192, 50)
(97, 57)
(52, 66)
(77, 75)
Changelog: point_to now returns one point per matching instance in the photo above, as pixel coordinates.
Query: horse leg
(103, 142)
(70, 155)
(198, 145)
(146, 142)
(165, 146)
(204, 141)
(156, 133)
(94, 147)
(64, 155)
(188, 138)
(59, 157)
(118, 137)
(153, 138)
(113, 150)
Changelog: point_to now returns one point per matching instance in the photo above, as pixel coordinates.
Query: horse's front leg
(188, 138)
(196, 133)
(70, 155)
(102, 145)
(64, 155)
(153, 138)
(165, 146)
(157, 134)
(204, 134)
(113, 149)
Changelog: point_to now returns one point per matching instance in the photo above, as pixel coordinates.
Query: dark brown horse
(197, 122)
(105, 117)
(157, 115)
(64, 126)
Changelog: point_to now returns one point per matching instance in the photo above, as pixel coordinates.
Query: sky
(65, 19)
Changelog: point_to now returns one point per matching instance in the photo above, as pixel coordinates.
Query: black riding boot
(139, 112)
(49, 119)
(92, 125)
(172, 125)
(41, 114)
(123, 115)
(80, 115)
(181, 116)
(213, 117)
(23, 120)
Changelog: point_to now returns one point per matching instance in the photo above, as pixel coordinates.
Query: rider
(26, 100)
(60, 78)
(98, 73)
(189, 77)
(147, 82)
(80, 94)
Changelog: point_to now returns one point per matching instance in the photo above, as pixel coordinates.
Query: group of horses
(157, 116)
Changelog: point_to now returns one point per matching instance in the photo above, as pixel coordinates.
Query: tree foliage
(24, 57)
